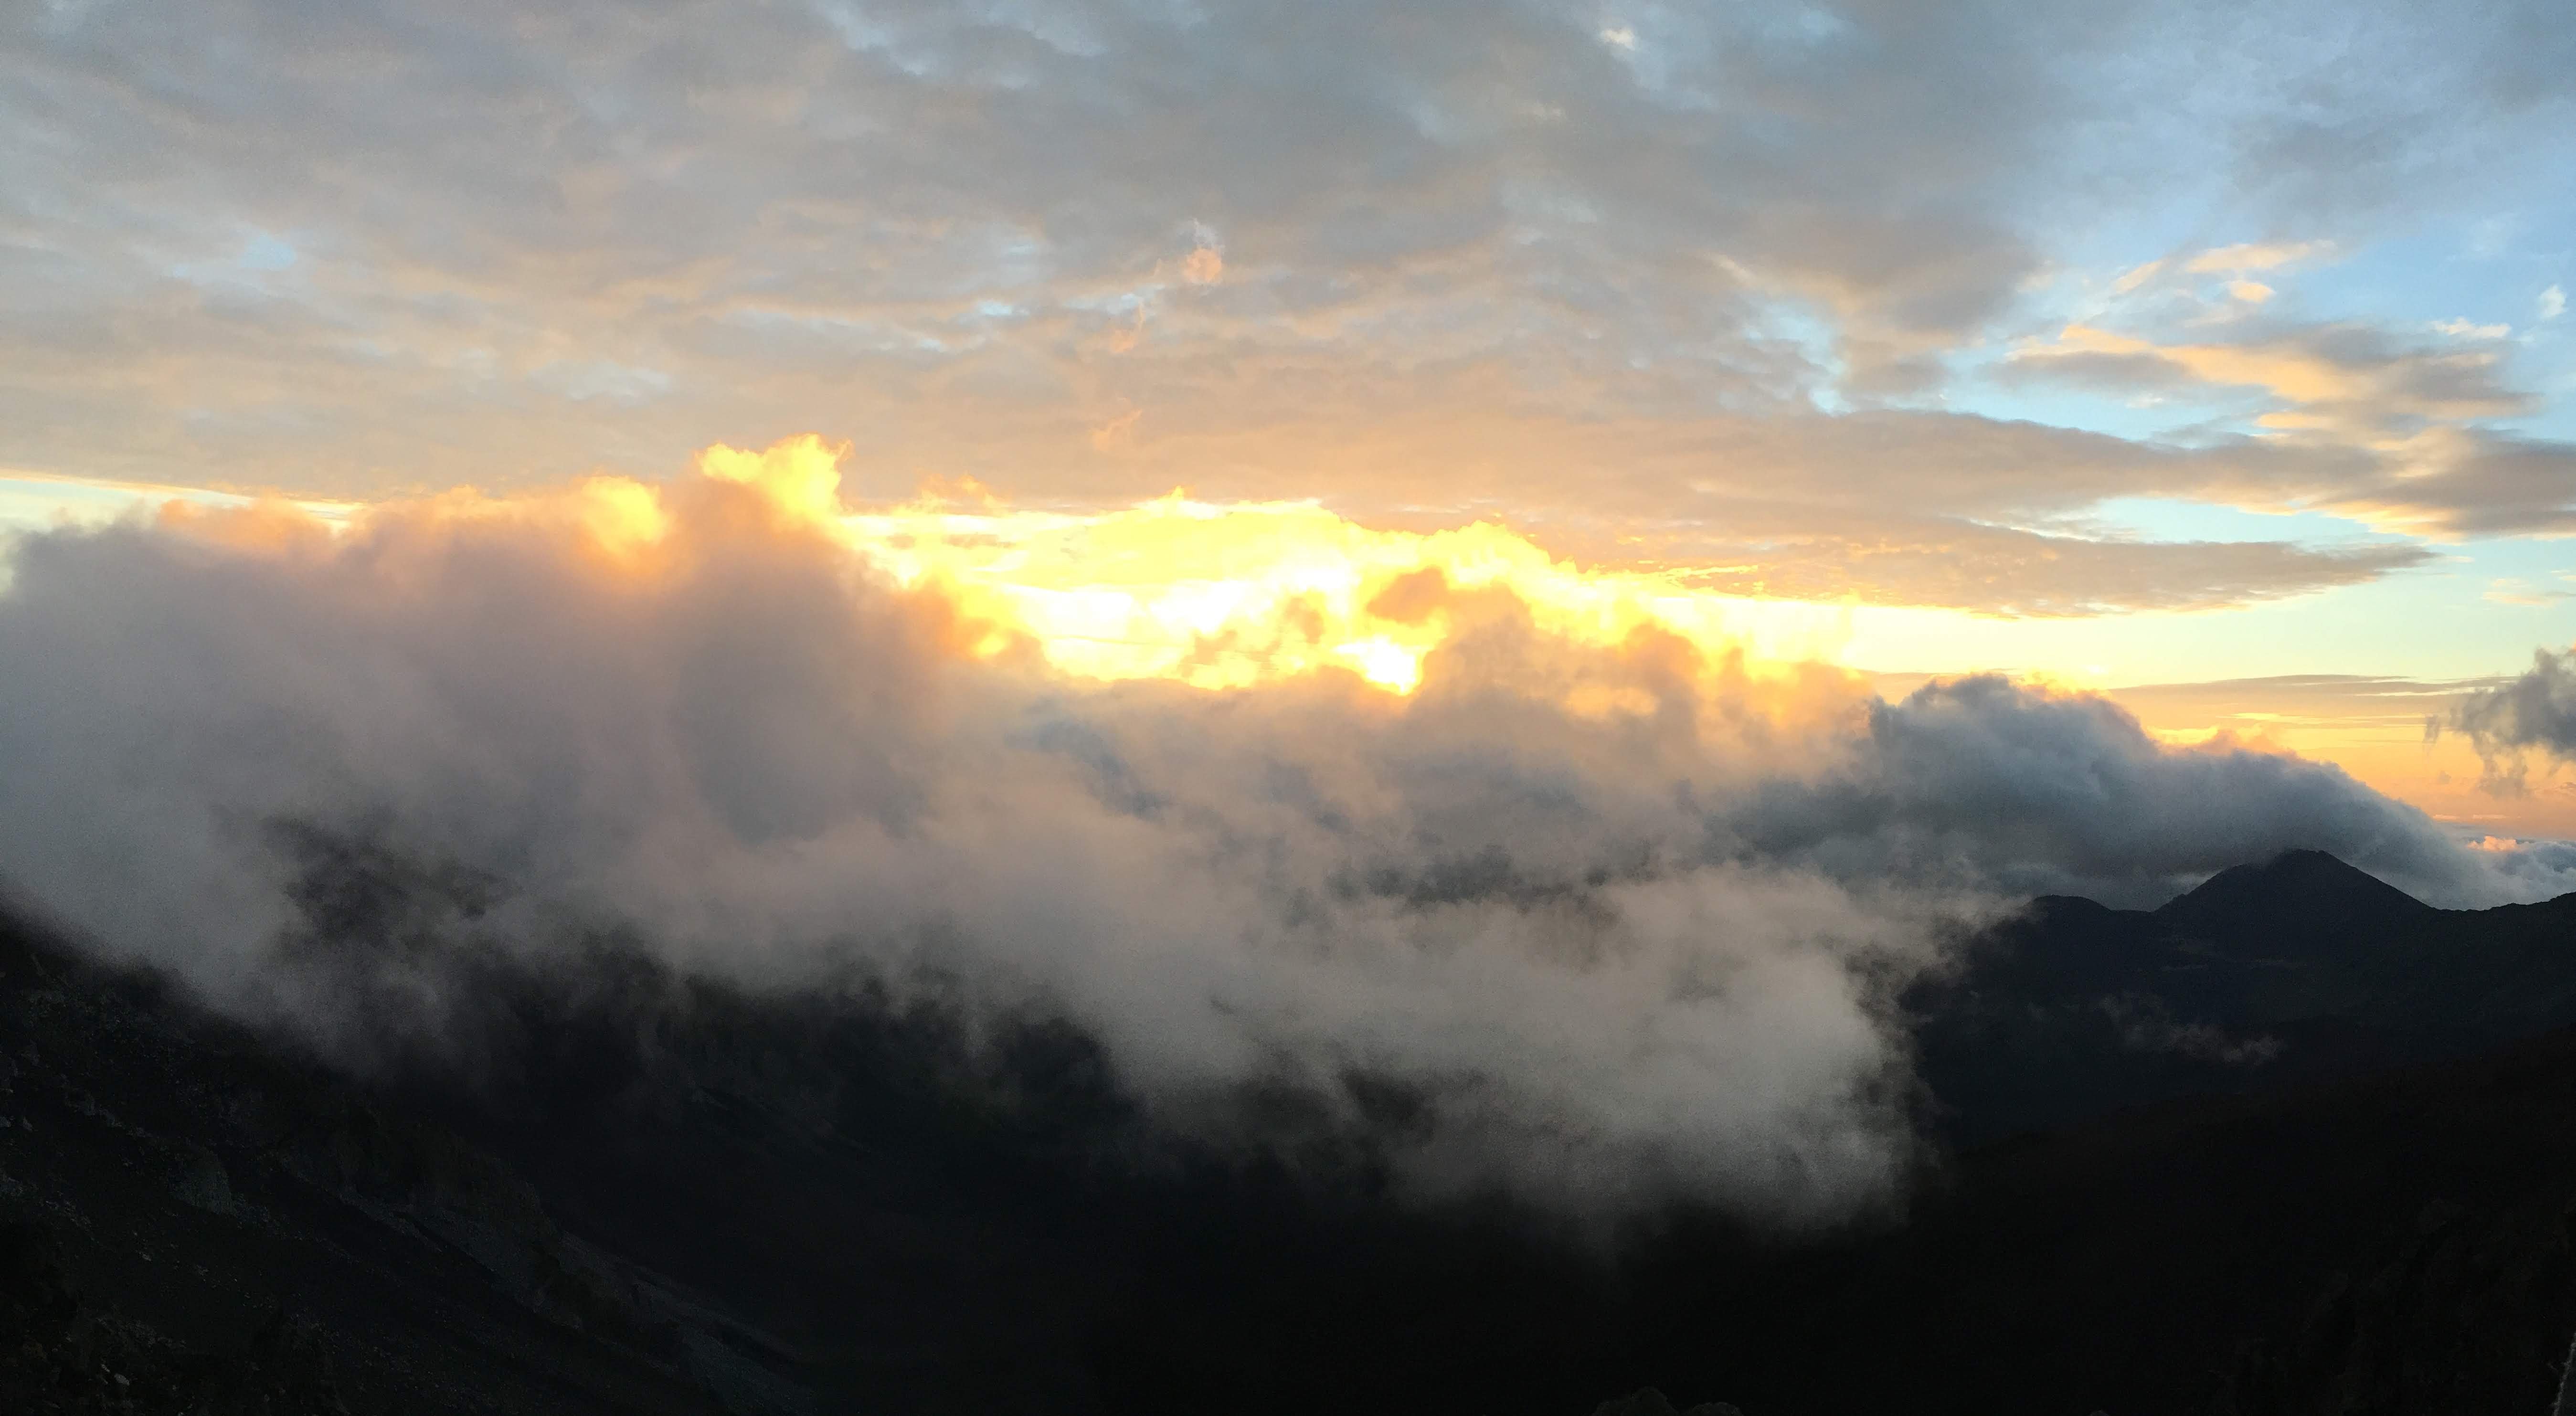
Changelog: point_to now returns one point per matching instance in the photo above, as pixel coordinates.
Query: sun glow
(1223, 596)
(1217, 596)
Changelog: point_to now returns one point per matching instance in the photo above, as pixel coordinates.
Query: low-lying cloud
(2534, 712)
(1613, 923)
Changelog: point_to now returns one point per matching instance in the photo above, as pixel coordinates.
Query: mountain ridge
(2300, 967)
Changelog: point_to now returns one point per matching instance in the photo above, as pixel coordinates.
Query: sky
(1544, 556)
(2148, 346)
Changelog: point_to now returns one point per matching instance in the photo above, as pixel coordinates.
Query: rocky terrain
(2294, 1143)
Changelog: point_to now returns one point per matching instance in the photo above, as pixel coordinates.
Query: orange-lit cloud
(2252, 256)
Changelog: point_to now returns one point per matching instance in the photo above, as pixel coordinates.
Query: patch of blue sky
(37, 501)
(1059, 27)
(48, 503)
(1818, 340)
(262, 255)
(265, 251)
(865, 33)
(2558, 420)
(2418, 280)
(2527, 573)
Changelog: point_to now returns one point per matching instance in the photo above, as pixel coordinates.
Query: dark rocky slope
(2329, 1171)
(2295, 970)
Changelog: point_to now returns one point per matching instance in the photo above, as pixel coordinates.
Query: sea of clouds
(1614, 924)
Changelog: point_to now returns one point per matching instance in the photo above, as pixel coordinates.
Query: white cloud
(2258, 255)
(2136, 276)
(2552, 303)
(2463, 329)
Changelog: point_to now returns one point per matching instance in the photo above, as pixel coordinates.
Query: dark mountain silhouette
(2297, 969)
(2293, 1143)
(2302, 904)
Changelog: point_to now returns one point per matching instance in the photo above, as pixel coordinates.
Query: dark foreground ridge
(2292, 1143)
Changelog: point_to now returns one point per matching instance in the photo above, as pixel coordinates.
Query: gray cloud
(2069, 794)
(2478, 483)
(2533, 712)
(2354, 378)
(1614, 953)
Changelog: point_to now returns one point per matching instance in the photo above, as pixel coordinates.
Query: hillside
(2291, 1143)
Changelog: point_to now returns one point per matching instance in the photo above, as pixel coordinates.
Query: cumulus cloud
(2533, 713)
(1609, 922)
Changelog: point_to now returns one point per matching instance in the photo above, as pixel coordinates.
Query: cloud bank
(1588, 924)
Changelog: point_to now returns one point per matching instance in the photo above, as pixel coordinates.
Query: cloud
(2463, 329)
(2552, 303)
(2350, 379)
(2456, 482)
(1890, 506)
(2336, 700)
(2067, 793)
(2393, 433)
(1615, 920)
(2533, 713)
(626, 179)
(2524, 593)
(2375, 111)
(2252, 256)
(1205, 265)
(970, 237)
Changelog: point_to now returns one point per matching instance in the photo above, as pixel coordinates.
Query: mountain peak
(2297, 892)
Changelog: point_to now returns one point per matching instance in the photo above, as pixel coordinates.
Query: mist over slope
(1590, 925)
(657, 1191)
